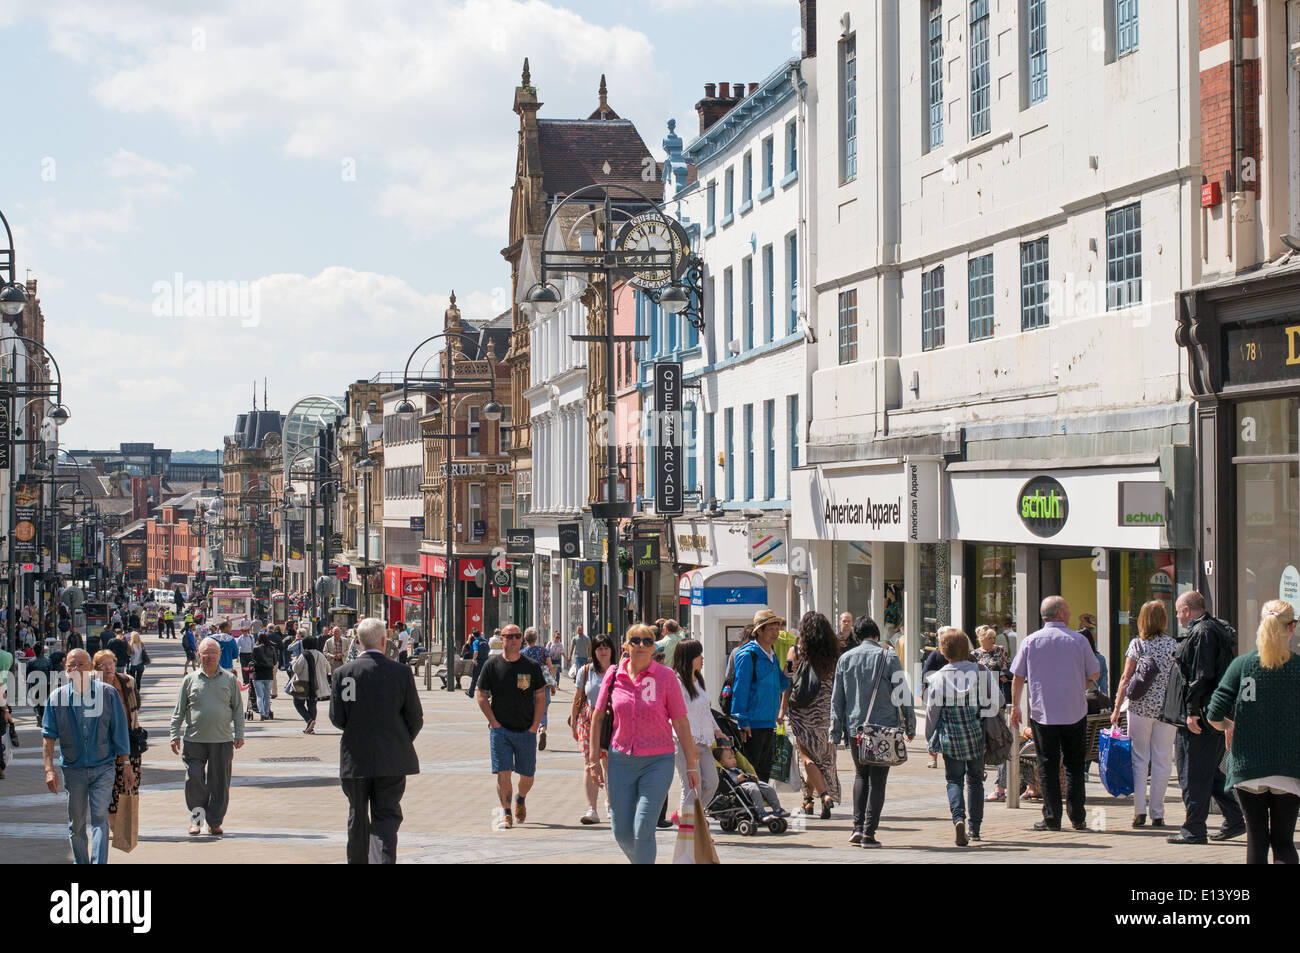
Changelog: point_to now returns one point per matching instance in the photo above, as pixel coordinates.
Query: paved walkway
(287, 807)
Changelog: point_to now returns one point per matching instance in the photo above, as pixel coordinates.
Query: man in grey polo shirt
(209, 710)
(1058, 663)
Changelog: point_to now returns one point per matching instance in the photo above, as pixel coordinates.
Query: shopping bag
(1115, 756)
(704, 852)
(126, 822)
(694, 843)
(782, 756)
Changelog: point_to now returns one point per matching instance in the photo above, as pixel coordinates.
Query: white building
(750, 205)
(1006, 206)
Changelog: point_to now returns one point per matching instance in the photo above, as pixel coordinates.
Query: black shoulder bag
(607, 722)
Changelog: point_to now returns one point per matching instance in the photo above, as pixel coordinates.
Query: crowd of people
(642, 715)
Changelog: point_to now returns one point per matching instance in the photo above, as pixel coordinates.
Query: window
(474, 509)
(849, 94)
(1033, 284)
(769, 431)
(934, 70)
(749, 451)
(792, 281)
(729, 433)
(689, 426)
(792, 412)
(979, 67)
(506, 426)
(710, 462)
(1126, 26)
(747, 181)
(712, 205)
(473, 430)
(791, 147)
(1036, 49)
(848, 326)
(979, 274)
(507, 502)
(769, 146)
(728, 312)
(1124, 257)
(932, 317)
(728, 197)
(769, 293)
(747, 290)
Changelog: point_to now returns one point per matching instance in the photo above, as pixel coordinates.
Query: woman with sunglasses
(105, 665)
(586, 691)
(645, 699)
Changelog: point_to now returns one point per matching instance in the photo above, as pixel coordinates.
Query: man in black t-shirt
(512, 696)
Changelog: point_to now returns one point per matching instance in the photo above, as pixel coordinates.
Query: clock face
(653, 233)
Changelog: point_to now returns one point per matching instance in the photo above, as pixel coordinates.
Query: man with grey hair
(375, 702)
(1058, 663)
(209, 712)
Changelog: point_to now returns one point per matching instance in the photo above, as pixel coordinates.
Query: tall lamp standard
(365, 466)
(448, 387)
(643, 245)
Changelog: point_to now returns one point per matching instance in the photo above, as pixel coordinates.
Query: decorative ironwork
(692, 281)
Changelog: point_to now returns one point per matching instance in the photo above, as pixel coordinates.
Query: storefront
(404, 588)
(1100, 537)
(465, 590)
(1243, 341)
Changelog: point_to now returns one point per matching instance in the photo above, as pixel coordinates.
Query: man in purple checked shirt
(1058, 663)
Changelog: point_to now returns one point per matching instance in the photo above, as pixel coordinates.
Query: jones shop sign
(1043, 506)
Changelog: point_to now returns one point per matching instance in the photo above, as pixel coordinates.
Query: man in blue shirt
(756, 691)
(88, 720)
(229, 646)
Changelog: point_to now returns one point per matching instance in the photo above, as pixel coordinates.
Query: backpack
(806, 686)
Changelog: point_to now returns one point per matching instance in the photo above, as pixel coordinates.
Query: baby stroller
(729, 807)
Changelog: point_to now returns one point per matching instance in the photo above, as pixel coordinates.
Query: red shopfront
(470, 610)
(404, 589)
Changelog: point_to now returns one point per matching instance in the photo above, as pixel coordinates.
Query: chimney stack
(808, 26)
(724, 90)
(753, 88)
(710, 90)
(712, 108)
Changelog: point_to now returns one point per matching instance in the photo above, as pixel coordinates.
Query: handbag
(997, 739)
(125, 822)
(1143, 677)
(144, 657)
(139, 738)
(880, 744)
(782, 756)
(806, 686)
(607, 722)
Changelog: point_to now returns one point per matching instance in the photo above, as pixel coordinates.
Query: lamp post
(448, 387)
(651, 251)
(365, 466)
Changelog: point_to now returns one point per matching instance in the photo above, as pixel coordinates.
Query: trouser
(90, 790)
(972, 772)
(262, 687)
(868, 794)
(578, 662)
(758, 749)
(1054, 744)
(137, 673)
(708, 778)
(171, 628)
(306, 708)
(1270, 822)
(207, 779)
(1201, 779)
(637, 787)
(374, 815)
(546, 710)
(161, 626)
(760, 793)
(473, 679)
(1153, 745)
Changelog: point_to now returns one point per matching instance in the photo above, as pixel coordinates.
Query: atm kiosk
(723, 601)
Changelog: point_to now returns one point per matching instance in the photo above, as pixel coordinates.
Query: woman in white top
(1152, 739)
(688, 663)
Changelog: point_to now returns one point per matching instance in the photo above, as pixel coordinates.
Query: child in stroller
(743, 802)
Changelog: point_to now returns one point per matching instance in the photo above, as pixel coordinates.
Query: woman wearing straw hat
(756, 693)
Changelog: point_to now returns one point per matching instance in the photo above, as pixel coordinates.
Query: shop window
(852, 567)
(935, 594)
(1141, 577)
(995, 586)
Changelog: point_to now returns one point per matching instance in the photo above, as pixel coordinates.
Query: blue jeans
(637, 786)
(89, 792)
(263, 689)
(546, 711)
(972, 771)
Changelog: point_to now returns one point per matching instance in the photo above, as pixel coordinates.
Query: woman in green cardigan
(1258, 704)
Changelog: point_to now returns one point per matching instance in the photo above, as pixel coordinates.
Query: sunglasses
(641, 640)
(512, 636)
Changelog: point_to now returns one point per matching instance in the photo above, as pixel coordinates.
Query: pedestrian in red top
(647, 705)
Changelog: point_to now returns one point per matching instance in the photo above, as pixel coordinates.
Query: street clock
(652, 232)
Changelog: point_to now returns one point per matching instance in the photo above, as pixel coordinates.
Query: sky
(213, 194)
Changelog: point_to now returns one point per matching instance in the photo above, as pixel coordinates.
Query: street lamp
(448, 387)
(365, 466)
(12, 297)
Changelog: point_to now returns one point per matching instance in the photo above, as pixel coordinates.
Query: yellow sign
(1292, 334)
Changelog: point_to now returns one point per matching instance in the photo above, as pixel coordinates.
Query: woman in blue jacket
(757, 690)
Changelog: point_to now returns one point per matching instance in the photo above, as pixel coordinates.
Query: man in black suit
(374, 701)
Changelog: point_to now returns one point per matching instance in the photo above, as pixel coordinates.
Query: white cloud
(125, 164)
(421, 89)
(167, 378)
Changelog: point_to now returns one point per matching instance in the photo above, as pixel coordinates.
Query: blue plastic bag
(1115, 754)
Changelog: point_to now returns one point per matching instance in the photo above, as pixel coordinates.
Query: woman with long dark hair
(311, 671)
(809, 707)
(688, 663)
(586, 689)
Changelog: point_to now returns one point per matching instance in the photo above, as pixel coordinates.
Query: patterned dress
(811, 727)
(126, 690)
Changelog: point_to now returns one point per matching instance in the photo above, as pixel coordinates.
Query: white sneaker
(590, 817)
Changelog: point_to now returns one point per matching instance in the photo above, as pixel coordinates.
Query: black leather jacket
(1200, 659)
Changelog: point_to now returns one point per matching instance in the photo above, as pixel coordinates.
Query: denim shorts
(514, 751)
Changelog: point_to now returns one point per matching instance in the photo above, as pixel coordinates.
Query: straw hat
(765, 616)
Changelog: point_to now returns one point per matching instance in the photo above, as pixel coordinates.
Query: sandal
(995, 797)
(827, 804)
(808, 804)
